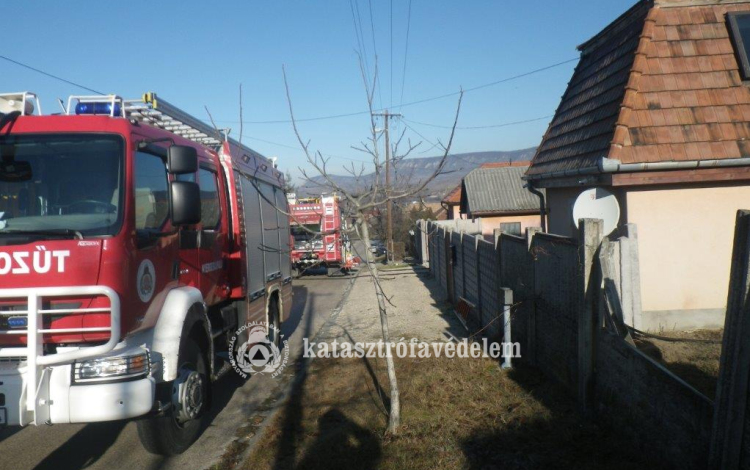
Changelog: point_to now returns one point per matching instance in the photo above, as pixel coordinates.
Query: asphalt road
(236, 403)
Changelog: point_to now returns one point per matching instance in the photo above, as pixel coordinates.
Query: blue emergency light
(98, 108)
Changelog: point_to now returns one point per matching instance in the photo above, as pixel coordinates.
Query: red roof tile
(453, 198)
(661, 83)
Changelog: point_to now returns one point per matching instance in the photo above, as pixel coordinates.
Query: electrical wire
(406, 56)
(492, 126)
(412, 103)
(51, 75)
(390, 103)
(375, 51)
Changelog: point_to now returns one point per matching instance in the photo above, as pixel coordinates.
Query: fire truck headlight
(113, 368)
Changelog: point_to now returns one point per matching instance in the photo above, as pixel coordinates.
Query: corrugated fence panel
(556, 271)
(517, 273)
(458, 272)
(469, 268)
(489, 273)
(442, 266)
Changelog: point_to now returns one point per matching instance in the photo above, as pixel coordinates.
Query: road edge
(231, 457)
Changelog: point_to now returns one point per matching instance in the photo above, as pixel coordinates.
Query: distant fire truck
(135, 240)
(317, 241)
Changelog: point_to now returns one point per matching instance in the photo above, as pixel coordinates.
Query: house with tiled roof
(495, 194)
(451, 203)
(658, 113)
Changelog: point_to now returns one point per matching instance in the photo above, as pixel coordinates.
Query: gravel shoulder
(416, 310)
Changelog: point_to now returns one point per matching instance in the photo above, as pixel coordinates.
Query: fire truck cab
(134, 241)
(316, 236)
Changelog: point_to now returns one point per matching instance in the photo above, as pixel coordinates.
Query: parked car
(377, 247)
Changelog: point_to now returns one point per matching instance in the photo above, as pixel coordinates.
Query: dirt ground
(697, 363)
(457, 414)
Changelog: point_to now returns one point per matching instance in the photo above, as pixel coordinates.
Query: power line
(359, 113)
(357, 33)
(375, 52)
(505, 124)
(299, 149)
(406, 55)
(51, 75)
(390, 103)
(412, 103)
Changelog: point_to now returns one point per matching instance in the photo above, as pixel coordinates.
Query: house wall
(685, 248)
(489, 224)
(684, 240)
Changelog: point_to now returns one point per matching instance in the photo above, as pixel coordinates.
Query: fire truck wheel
(295, 272)
(274, 333)
(179, 427)
(332, 271)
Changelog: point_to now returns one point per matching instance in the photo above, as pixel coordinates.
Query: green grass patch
(456, 413)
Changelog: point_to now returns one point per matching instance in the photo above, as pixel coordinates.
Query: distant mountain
(411, 171)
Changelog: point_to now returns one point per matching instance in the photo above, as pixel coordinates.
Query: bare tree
(372, 193)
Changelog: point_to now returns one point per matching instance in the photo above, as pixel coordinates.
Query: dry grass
(696, 363)
(456, 413)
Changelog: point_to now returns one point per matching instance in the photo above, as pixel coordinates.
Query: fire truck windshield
(306, 237)
(53, 185)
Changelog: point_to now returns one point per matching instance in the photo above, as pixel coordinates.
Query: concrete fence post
(590, 234)
(530, 233)
(463, 263)
(730, 405)
(478, 278)
(630, 282)
(424, 253)
(531, 322)
(506, 299)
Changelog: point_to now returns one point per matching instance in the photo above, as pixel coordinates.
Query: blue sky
(197, 53)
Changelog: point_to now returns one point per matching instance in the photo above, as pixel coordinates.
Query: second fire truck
(316, 235)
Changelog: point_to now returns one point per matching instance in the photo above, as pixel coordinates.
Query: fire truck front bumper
(65, 401)
(103, 382)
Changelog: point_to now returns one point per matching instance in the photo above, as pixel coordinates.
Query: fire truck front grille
(28, 313)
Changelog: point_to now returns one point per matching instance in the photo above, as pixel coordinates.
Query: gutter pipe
(609, 165)
(542, 205)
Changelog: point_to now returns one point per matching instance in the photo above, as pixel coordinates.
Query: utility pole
(389, 204)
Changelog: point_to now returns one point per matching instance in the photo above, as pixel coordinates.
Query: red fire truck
(134, 242)
(317, 240)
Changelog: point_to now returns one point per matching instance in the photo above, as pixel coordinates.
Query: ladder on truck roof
(160, 113)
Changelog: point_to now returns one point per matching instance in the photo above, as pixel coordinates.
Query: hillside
(413, 170)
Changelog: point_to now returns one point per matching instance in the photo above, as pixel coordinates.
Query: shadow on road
(292, 412)
(84, 448)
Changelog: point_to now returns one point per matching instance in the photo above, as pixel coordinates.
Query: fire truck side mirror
(185, 203)
(182, 159)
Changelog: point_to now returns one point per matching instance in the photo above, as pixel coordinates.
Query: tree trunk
(394, 415)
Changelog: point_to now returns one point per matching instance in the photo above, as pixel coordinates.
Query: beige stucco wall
(685, 242)
(685, 245)
(489, 224)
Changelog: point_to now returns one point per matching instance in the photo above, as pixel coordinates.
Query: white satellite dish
(597, 203)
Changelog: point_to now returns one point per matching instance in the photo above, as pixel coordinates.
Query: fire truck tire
(274, 320)
(180, 426)
(330, 272)
(295, 272)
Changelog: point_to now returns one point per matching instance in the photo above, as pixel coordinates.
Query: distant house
(658, 113)
(452, 202)
(495, 193)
